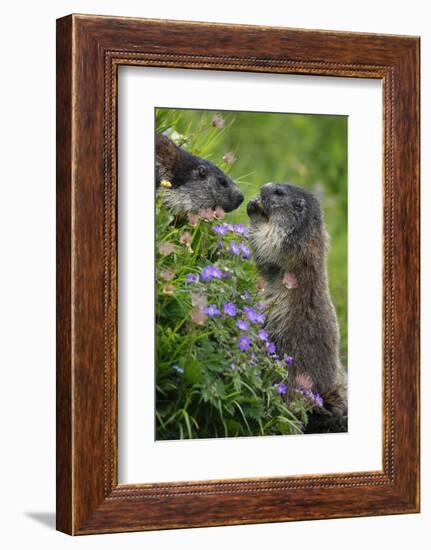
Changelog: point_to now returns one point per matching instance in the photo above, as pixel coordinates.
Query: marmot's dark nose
(238, 197)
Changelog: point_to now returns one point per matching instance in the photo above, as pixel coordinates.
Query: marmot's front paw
(255, 208)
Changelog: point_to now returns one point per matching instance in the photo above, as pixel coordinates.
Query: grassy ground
(307, 150)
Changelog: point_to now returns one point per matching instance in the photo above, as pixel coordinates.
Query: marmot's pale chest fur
(289, 243)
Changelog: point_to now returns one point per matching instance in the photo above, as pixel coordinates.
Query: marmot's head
(286, 226)
(196, 183)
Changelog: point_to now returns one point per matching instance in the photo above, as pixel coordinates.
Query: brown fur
(167, 157)
(288, 239)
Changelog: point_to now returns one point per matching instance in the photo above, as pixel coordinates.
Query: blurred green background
(306, 150)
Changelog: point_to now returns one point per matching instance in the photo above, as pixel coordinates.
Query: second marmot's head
(286, 226)
(196, 184)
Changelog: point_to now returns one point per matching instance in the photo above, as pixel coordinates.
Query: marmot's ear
(166, 154)
(298, 204)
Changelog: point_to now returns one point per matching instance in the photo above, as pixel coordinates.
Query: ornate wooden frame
(89, 51)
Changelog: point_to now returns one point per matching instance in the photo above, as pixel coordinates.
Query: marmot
(289, 243)
(196, 184)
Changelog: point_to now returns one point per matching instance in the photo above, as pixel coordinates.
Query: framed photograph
(237, 274)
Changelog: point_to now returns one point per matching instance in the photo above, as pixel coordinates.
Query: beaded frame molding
(89, 51)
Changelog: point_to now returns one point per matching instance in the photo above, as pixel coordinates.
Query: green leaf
(192, 370)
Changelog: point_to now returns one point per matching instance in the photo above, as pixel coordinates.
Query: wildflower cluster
(217, 371)
(211, 272)
(314, 398)
(234, 244)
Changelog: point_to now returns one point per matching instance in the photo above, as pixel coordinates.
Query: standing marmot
(289, 243)
(197, 184)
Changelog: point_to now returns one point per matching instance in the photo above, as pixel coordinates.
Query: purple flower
(314, 397)
(216, 273)
(206, 273)
(230, 309)
(288, 359)
(223, 228)
(281, 389)
(242, 325)
(219, 229)
(212, 311)
(211, 272)
(234, 248)
(250, 313)
(245, 251)
(318, 400)
(178, 369)
(259, 306)
(263, 335)
(253, 316)
(240, 229)
(219, 244)
(244, 342)
(192, 278)
(246, 295)
(270, 347)
(232, 366)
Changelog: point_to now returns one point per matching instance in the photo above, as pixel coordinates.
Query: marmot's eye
(223, 182)
(278, 192)
(202, 171)
(298, 205)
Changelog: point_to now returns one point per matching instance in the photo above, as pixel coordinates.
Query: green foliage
(206, 385)
(214, 378)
